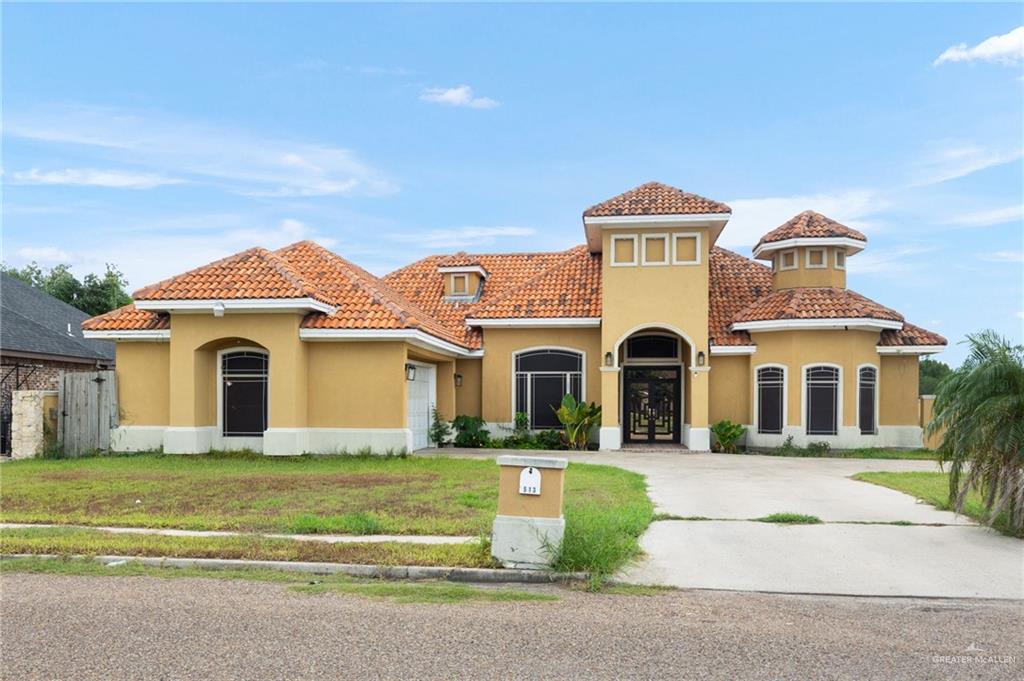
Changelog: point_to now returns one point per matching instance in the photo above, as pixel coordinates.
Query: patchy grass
(635, 589)
(789, 519)
(672, 516)
(400, 592)
(934, 488)
(64, 541)
(308, 494)
(862, 453)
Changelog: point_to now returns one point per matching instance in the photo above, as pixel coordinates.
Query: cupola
(463, 277)
(809, 250)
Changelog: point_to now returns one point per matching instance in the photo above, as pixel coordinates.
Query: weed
(790, 519)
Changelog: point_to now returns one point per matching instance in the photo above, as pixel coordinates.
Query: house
(299, 350)
(40, 336)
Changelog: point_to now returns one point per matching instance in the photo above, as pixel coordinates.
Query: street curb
(413, 572)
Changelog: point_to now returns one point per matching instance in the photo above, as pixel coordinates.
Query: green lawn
(934, 488)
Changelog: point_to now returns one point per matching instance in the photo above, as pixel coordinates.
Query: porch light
(608, 359)
(410, 372)
(700, 358)
(458, 380)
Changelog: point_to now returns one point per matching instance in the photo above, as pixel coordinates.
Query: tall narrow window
(244, 393)
(866, 387)
(770, 384)
(822, 400)
(543, 378)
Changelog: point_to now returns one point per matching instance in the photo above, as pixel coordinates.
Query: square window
(787, 260)
(686, 248)
(840, 259)
(816, 259)
(655, 249)
(623, 250)
(460, 284)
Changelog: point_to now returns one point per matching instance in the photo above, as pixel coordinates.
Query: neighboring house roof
(34, 322)
(810, 225)
(735, 283)
(128, 318)
(910, 335)
(654, 198)
(815, 303)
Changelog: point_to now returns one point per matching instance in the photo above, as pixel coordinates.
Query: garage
(421, 380)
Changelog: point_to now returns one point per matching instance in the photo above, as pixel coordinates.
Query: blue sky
(160, 137)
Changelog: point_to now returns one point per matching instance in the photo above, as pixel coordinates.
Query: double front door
(651, 404)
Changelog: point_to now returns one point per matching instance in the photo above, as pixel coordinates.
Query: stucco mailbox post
(529, 524)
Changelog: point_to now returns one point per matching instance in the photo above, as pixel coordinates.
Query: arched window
(243, 393)
(867, 386)
(542, 379)
(822, 400)
(652, 346)
(771, 382)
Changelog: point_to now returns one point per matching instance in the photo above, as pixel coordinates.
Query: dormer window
(787, 260)
(840, 259)
(462, 281)
(460, 284)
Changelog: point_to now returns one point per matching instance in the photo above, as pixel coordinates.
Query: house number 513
(529, 481)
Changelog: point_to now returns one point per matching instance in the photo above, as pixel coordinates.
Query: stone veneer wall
(28, 432)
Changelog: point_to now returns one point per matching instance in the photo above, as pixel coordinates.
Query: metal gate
(86, 410)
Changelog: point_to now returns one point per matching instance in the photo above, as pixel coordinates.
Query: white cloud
(241, 161)
(44, 255)
(753, 218)
(457, 96)
(959, 159)
(1007, 49)
(117, 179)
(986, 218)
(462, 238)
(1002, 256)
(894, 261)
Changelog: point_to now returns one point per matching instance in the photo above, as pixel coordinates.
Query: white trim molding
(411, 336)
(824, 258)
(875, 417)
(733, 349)
(852, 245)
(909, 349)
(756, 401)
(636, 256)
(657, 326)
(697, 248)
(535, 322)
(455, 269)
(661, 236)
(840, 387)
(781, 255)
(858, 323)
(534, 348)
(129, 335)
(219, 306)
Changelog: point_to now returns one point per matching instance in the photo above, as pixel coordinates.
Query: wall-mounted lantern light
(410, 372)
(608, 359)
(700, 358)
(458, 380)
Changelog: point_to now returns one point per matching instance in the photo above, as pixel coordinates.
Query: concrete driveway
(939, 554)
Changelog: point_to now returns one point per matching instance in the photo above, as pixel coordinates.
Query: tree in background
(93, 294)
(932, 372)
(979, 412)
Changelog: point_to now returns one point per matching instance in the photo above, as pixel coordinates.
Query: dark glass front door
(651, 408)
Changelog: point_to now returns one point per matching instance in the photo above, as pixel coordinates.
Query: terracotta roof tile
(815, 303)
(255, 273)
(735, 283)
(910, 335)
(810, 225)
(128, 318)
(655, 198)
(570, 288)
(460, 259)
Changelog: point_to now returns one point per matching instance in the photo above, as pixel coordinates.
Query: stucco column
(611, 433)
(446, 389)
(699, 437)
(182, 401)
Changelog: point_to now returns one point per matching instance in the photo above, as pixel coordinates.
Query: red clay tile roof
(735, 283)
(815, 303)
(910, 335)
(128, 318)
(655, 198)
(460, 259)
(810, 225)
(255, 273)
(569, 288)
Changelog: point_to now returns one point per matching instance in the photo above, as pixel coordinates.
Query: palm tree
(979, 411)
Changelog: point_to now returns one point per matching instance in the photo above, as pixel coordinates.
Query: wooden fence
(86, 410)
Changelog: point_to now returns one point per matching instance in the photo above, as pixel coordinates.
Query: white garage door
(422, 397)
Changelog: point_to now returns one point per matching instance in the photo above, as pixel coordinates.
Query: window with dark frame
(867, 384)
(542, 379)
(652, 347)
(822, 400)
(244, 393)
(770, 391)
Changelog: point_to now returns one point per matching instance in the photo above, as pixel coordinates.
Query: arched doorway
(242, 374)
(653, 385)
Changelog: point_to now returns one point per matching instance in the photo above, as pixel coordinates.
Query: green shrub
(548, 439)
(470, 431)
(440, 430)
(818, 448)
(727, 434)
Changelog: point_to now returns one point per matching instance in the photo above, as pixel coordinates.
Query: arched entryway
(653, 386)
(243, 396)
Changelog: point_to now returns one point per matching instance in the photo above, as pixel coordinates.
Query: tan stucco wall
(729, 389)
(897, 391)
(802, 276)
(356, 385)
(548, 504)
(927, 409)
(468, 395)
(656, 297)
(795, 349)
(499, 344)
(143, 383)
